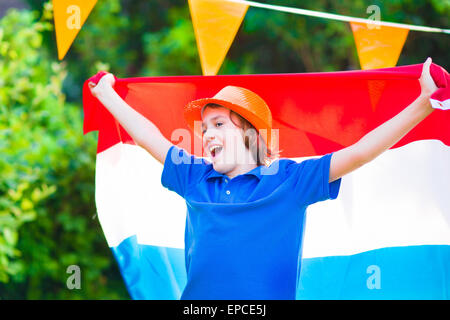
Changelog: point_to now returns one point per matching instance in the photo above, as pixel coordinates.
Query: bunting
(378, 47)
(69, 17)
(215, 25)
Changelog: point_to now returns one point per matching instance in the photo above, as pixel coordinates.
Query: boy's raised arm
(386, 135)
(142, 130)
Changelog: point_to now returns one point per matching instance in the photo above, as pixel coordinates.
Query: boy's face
(223, 141)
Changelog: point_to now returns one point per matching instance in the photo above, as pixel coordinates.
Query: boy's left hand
(427, 85)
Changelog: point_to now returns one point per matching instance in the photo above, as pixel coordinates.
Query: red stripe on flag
(316, 113)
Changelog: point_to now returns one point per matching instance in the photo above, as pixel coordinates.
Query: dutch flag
(387, 236)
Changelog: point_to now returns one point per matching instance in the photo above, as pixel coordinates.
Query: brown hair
(252, 139)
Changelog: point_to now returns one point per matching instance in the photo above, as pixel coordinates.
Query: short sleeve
(181, 170)
(310, 180)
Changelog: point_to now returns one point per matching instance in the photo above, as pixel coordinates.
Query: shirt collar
(254, 172)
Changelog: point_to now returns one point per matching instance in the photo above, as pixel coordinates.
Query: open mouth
(215, 150)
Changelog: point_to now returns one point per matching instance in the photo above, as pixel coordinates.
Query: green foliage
(172, 50)
(47, 211)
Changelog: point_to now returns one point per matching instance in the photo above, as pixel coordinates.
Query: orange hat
(242, 101)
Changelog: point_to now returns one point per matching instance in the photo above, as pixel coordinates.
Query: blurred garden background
(47, 167)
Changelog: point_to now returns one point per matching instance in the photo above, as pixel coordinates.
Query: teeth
(213, 149)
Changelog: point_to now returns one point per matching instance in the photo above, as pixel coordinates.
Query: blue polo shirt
(243, 236)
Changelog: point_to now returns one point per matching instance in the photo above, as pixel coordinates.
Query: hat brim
(193, 112)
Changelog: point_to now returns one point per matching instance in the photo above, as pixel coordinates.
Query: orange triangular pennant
(69, 16)
(378, 46)
(216, 23)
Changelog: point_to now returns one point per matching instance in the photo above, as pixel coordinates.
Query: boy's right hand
(142, 130)
(106, 82)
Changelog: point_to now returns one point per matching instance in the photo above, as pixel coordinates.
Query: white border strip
(338, 16)
(443, 105)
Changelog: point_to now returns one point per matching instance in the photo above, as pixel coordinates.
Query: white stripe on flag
(131, 200)
(399, 199)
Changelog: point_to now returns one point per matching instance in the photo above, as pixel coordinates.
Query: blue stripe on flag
(151, 272)
(413, 272)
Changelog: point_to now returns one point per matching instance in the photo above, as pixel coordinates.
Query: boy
(244, 228)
